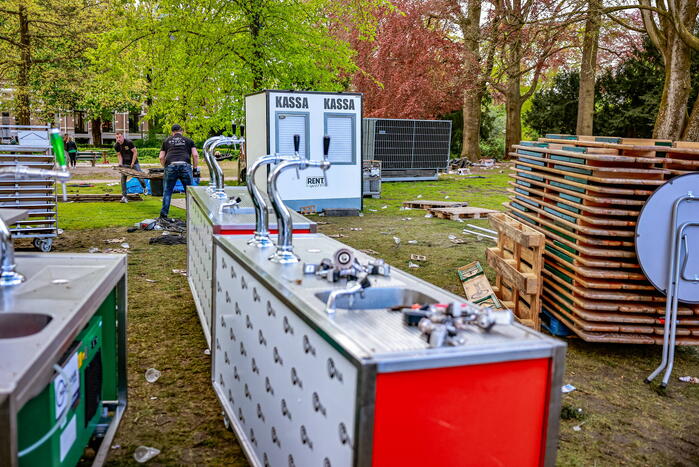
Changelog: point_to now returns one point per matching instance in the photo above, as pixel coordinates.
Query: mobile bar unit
(302, 387)
(205, 220)
(62, 359)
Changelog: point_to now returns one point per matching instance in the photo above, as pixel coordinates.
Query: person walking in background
(127, 155)
(179, 156)
(71, 149)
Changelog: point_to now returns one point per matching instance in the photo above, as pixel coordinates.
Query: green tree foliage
(200, 58)
(41, 51)
(555, 108)
(627, 98)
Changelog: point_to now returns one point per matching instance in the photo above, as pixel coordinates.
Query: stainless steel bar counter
(69, 315)
(302, 387)
(204, 220)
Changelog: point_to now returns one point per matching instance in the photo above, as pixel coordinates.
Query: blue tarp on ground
(132, 186)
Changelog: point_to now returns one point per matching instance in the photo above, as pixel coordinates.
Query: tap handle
(297, 143)
(326, 146)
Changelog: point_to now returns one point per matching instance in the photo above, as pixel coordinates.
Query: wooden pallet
(517, 260)
(461, 213)
(427, 204)
(136, 174)
(99, 197)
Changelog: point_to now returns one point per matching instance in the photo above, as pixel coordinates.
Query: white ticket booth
(272, 118)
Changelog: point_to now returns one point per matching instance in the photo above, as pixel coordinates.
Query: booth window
(288, 125)
(341, 129)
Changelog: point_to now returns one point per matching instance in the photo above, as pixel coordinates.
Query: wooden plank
(517, 231)
(136, 173)
(96, 197)
(427, 204)
(461, 212)
(600, 180)
(604, 283)
(526, 282)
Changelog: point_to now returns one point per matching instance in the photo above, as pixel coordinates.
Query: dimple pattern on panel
(199, 243)
(291, 394)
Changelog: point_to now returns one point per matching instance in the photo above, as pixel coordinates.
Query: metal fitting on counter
(441, 324)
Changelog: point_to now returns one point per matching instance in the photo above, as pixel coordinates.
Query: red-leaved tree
(411, 67)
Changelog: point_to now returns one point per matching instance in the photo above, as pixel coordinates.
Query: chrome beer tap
(285, 250)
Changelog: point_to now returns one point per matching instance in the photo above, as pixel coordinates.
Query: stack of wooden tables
(585, 195)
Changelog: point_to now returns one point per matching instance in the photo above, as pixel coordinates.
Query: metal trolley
(28, 145)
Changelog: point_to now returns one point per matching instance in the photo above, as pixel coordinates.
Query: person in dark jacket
(71, 149)
(179, 156)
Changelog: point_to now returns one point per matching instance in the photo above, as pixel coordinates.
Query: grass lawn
(612, 418)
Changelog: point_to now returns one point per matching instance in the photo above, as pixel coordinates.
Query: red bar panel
(479, 415)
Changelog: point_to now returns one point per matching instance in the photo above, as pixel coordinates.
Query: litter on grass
(568, 388)
(413, 265)
(143, 454)
(116, 240)
(415, 257)
(181, 272)
(689, 379)
(152, 375)
(396, 240)
(412, 242)
(355, 228)
(428, 215)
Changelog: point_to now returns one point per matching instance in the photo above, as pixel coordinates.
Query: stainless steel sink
(14, 325)
(378, 298)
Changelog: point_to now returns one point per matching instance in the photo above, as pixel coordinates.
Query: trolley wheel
(43, 244)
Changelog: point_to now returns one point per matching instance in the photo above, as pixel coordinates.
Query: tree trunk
(672, 113)
(472, 124)
(513, 114)
(473, 94)
(22, 104)
(691, 131)
(96, 124)
(586, 93)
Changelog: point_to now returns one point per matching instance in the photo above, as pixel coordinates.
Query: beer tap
(285, 251)
(261, 238)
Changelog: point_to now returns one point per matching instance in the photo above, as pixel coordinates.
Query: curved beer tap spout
(219, 191)
(261, 238)
(284, 253)
(208, 157)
